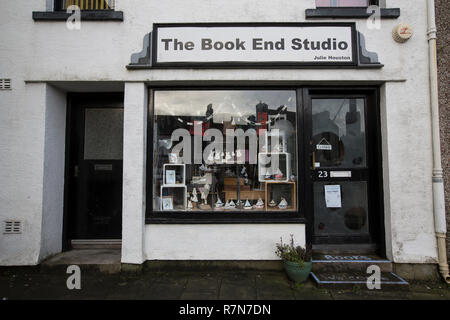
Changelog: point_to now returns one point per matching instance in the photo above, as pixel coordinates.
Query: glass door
(342, 173)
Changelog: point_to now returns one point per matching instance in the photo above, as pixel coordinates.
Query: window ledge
(99, 15)
(350, 13)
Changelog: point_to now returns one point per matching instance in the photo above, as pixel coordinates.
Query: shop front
(200, 134)
(267, 155)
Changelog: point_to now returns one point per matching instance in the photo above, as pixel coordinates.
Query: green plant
(292, 253)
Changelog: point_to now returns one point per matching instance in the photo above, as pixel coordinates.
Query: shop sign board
(279, 44)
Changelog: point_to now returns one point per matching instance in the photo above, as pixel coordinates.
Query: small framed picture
(171, 177)
(167, 203)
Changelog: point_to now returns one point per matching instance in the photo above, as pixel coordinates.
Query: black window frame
(215, 217)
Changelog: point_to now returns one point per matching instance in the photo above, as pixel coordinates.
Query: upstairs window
(350, 9)
(343, 3)
(85, 4)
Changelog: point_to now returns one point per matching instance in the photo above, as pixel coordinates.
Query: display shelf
(280, 141)
(284, 161)
(291, 198)
(176, 192)
(180, 170)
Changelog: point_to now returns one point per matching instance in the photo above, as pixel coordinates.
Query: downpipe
(438, 177)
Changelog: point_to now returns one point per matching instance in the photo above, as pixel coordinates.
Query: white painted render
(134, 162)
(218, 242)
(34, 54)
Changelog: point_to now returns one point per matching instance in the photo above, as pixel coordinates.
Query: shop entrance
(342, 166)
(93, 206)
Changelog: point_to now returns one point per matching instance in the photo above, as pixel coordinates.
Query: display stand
(284, 160)
(174, 190)
(180, 169)
(293, 196)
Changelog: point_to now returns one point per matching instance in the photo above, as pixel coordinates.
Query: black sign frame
(256, 65)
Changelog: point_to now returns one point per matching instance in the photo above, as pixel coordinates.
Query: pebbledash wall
(45, 60)
(443, 50)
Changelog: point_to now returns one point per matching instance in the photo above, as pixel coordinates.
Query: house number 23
(323, 174)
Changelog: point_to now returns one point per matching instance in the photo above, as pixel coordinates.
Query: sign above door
(251, 45)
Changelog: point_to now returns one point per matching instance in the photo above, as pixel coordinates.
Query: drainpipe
(438, 180)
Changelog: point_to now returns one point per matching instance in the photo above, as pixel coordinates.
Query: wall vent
(12, 227)
(5, 84)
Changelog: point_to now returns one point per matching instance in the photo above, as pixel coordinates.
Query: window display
(225, 150)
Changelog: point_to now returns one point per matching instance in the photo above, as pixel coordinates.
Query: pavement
(36, 283)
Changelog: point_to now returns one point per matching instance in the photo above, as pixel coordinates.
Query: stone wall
(443, 21)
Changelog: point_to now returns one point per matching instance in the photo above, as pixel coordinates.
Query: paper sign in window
(333, 196)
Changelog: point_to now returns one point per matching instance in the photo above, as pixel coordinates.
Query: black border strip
(156, 64)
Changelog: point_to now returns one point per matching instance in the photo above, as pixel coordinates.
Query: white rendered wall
(134, 161)
(32, 171)
(54, 161)
(48, 52)
(218, 242)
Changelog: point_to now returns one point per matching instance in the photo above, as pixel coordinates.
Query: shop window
(224, 151)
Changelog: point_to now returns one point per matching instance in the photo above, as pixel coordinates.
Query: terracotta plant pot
(296, 272)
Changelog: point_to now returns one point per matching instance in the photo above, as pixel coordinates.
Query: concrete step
(351, 280)
(350, 249)
(96, 244)
(101, 260)
(349, 263)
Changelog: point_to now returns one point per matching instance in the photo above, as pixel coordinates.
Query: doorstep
(343, 271)
(350, 280)
(101, 260)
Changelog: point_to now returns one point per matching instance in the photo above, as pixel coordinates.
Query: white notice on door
(333, 196)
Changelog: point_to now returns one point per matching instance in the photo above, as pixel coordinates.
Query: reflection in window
(342, 3)
(225, 151)
(338, 133)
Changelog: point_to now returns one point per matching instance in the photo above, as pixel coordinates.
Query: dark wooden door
(95, 165)
(343, 166)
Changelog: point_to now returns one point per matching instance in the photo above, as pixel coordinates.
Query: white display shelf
(178, 186)
(182, 165)
(284, 166)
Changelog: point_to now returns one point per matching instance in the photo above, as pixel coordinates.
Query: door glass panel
(340, 209)
(338, 133)
(103, 136)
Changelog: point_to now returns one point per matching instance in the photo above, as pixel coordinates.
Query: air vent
(13, 227)
(5, 84)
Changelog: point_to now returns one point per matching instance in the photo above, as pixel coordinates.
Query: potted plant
(297, 260)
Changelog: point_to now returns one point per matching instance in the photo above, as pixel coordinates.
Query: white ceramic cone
(283, 204)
